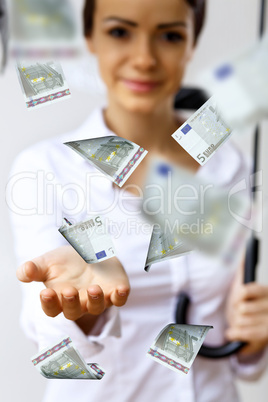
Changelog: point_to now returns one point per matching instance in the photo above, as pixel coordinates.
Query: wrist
(251, 352)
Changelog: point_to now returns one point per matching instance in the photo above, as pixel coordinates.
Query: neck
(149, 130)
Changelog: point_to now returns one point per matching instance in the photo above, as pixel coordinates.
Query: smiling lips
(140, 86)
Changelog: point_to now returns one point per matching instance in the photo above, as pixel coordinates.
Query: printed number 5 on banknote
(203, 133)
(90, 239)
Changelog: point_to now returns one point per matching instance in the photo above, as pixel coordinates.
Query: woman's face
(143, 47)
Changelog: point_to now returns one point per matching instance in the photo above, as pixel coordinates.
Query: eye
(118, 32)
(172, 37)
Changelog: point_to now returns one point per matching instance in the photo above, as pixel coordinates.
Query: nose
(144, 57)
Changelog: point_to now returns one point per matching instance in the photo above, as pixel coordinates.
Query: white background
(231, 26)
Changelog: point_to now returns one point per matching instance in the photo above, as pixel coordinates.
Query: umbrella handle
(183, 302)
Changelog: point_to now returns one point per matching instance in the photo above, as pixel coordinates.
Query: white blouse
(49, 181)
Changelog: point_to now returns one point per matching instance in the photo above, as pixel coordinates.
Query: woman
(143, 48)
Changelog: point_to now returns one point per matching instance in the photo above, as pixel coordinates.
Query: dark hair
(199, 7)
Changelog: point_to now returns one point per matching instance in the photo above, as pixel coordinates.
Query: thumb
(32, 271)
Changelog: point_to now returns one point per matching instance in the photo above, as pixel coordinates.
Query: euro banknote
(204, 216)
(63, 361)
(164, 245)
(43, 28)
(240, 85)
(177, 345)
(90, 239)
(204, 132)
(42, 83)
(3, 35)
(113, 156)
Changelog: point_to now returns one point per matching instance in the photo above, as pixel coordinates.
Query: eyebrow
(134, 24)
(118, 19)
(172, 24)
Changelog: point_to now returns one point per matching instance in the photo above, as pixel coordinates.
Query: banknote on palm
(204, 216)
(240, 85)
(204, 132)
(63, 361)
(113, 156)
(164, 245)
(177, 345)
(42, 83)
(90, 239)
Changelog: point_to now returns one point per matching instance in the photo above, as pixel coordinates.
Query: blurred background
(231, 26)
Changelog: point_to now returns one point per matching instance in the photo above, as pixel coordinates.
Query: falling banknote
(43, 28)
(3, 35)
(42, 83)
(163, 246)
(204, 216)
(90, 239)
(240, 86)
(63, 361)
(177, 345)
(114, 156)
(203, 133)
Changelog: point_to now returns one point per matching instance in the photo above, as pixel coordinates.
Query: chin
(142, 106)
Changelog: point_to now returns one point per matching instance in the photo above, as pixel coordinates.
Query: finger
(248, 334)
(95, 303)
(50, 302)
(119, 295)
(249, 320)
(32, 271)
(71, 306)
(252, 291)
(253, 307)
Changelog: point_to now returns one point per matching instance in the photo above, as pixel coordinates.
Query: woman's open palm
(75, 287)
